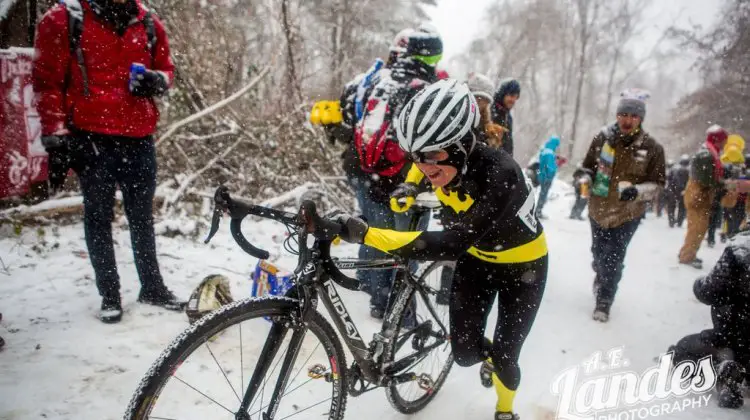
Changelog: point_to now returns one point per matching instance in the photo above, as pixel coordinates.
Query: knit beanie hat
(716, 135)
(480, 86)
(633, 102)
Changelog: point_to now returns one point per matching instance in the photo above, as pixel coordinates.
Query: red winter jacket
(109, 108)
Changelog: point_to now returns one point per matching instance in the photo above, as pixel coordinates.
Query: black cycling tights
(519, 288)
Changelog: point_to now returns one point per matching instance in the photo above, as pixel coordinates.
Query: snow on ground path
(60, 362)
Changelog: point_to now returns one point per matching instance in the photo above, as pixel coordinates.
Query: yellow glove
(332, 113)
(398, 207)
(403, 197)
(315, 114)
(326, 113)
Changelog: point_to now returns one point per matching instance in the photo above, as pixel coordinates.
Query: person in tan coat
(706, 180)
(627, 166)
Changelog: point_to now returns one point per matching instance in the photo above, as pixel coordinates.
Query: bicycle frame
(315, 275)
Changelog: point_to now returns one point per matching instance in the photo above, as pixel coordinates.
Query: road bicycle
(410, 356)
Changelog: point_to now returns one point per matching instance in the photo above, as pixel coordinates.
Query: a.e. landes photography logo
(604, 388)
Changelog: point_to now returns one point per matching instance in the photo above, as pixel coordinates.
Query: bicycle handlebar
(322, 229)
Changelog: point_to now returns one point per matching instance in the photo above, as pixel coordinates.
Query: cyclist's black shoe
(499, 415)
(161, 297)
(111, 310)
(486, 369)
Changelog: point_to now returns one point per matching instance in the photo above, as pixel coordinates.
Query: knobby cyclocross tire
(183, 346)
(394, 396)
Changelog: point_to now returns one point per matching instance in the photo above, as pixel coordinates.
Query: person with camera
(727, 291)
(98, 68)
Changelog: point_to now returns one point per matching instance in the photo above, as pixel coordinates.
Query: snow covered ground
(60, 362)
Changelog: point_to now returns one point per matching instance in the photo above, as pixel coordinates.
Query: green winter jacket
(702, 169)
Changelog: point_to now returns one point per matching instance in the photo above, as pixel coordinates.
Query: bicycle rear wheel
(170, 389)
(431, 370)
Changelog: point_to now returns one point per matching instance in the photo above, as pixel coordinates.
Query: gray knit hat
(633, 102)
(481, 86)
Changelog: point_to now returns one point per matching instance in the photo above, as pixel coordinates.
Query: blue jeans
(379, 215)
(544, 188)
(609, 246)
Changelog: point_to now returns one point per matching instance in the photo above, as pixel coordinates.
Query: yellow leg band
(505, 396)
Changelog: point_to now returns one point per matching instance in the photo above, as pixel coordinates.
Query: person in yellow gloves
(489, 228)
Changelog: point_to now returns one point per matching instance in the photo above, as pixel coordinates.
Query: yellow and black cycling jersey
(490, 215)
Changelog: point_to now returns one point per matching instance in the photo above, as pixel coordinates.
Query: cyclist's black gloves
(353, 229)
(59, 161)
(402, 198)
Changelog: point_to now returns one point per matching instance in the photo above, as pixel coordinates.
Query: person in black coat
(504, 100)
(676, 183)
(727, 290)
(582, 185)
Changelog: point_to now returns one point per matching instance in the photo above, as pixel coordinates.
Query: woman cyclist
(489, 228)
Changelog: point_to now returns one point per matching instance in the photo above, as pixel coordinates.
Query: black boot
(111, 310)
(729, 384)
(162, 297)
(601, 312)
(696, 263)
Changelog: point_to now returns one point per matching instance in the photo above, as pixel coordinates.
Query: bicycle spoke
(204, 395)
(222, 372)
(303, 410)
(161, 418)
(242, 363)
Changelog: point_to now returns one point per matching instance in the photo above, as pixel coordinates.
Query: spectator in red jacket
(99, 121)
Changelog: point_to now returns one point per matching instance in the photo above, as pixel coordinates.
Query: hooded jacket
(547, 160)
(678, 178)
(109, 108)
(502, 117)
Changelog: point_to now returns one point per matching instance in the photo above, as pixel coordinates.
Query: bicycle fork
(270, 349)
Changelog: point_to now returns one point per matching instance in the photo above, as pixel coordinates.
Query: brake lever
(214, 224)
(221, 203)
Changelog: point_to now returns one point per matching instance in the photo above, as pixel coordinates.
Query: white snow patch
(61, 362)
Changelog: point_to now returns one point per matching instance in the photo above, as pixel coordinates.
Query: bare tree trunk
(583, 12)
(292, 77)
(610, 85)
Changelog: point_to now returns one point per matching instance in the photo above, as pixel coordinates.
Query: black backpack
(75, 29)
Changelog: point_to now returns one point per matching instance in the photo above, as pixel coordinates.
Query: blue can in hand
(136, 69)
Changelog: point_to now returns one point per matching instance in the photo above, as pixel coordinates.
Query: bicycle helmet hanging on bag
(442, 116)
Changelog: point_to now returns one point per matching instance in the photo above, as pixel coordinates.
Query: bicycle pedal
(425, 382)
(317, 371)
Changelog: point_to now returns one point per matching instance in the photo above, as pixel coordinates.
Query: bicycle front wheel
(421, 340)
(254, 345)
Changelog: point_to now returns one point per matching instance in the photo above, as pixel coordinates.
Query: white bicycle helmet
(439, 116)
